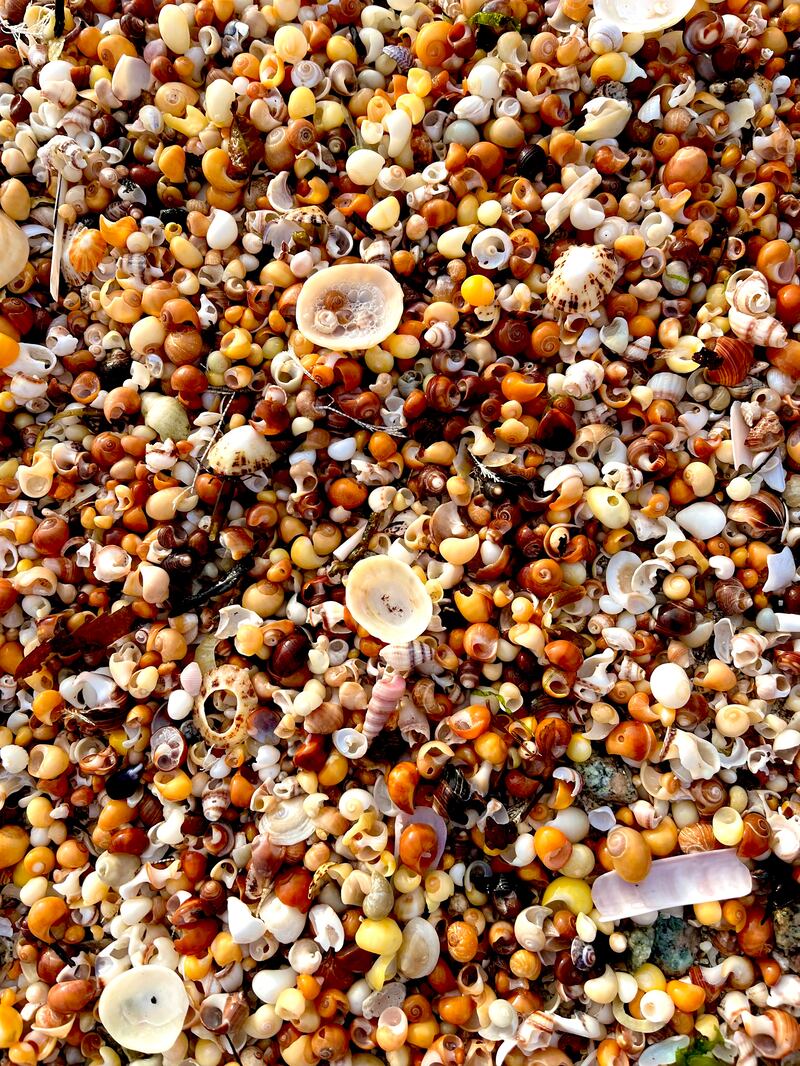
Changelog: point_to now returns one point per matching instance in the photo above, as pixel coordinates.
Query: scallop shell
(642, 16)
(288, 823)
(727, 360)
(678, 881)
(386, 598)
(143, 1009)
(368, 294)
(86, 249)
(15, 249)
(239, 452)
(583, 276)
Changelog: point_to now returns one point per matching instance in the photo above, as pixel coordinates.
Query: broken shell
(635, 16)
(143, 1009)
(236, 681)
(386, 598)
(576, 192)
(584, 275)
(605, 117)
(675, 882)
(349, 307)
(239, 452)
(15, 249)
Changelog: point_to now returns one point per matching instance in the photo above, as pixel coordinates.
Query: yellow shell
(86, 250)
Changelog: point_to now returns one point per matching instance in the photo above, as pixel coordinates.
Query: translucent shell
(239, 452)
(583, 276)
(386, 598)
(143, 1009)
(349, 307)
(86, 249)
(642, 16)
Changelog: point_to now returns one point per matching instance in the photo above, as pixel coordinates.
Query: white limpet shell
(582, 278)
(387, 599)
(642, 16)
(143, 1009)
(239, 452)
(346, 279)
(674, 882)
(15, 249)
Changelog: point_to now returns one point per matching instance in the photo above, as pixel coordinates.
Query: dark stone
(786, 922)
(606, 780)
(675, 945)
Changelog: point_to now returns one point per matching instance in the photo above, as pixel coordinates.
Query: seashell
(15, 249)
(583, 276)
(287, 822)
(239, 452)
(629, 580)
(642, 16)
(762, 516)
(667, 386)
(766, 434)
(782, 570)
(407, 657)
(727, 360)
(237, 681)
(604, 36)
(702, 520)
(215, 801)
(699, 877)
(606, 117)
(577, 191)
(166, 415)
(775, 1033)
(386, 598)
(86, 249)
(766, 330)
(748, 291)
(245, 927)
(696, 838)
(349, 307)
(732, 597)
(420, 950)
(492, 248)
(143, 1009)
(386, 695)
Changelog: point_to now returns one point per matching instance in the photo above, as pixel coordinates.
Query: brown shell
(766, 434)
(761, 516)
(697, 837)
(727, 360)
(732, 597)
(582, 278)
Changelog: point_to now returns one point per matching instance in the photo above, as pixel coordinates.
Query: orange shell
(86, 250)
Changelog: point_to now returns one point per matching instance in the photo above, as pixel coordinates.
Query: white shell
(667, 386)
(578, 190)
(288, 822)
(605, 117)
(582, 278)
(670, 686)
(675, 882)
(701, 520)
(492, 248)
(143, 1009)
(642, 16)
(239, 452)
(244, 926)
(373, 297)
(419, 951)
(387, 599)
(15, 249)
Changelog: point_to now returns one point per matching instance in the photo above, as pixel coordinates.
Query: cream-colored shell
(240, 452)
(642, 16)
(143, 1009)
(387, 599)
(15, 249)
(381, 320)
(582, 278)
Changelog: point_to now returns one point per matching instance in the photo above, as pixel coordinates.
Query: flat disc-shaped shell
(143, 1009)
(387, 599)
(349, 307)
(642, 16)
(583, 276)
(15, 249)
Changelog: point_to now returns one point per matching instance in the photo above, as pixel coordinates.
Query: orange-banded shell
(86, 250)
(697, 837)
(583, 276)
(727, 362)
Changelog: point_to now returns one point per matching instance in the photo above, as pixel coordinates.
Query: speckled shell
(387, 598)
(583, 276)
(239, 452)
(236, 681)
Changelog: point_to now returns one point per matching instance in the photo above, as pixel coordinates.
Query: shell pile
(399, 507)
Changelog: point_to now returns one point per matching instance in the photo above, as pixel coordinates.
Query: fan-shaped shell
(642, 16)
(387, 599)
(349, 307)
(583, 276)
(86, 249)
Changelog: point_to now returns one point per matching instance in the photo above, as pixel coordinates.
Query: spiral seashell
(286, 823)
(385, 698)
(775, 1033)
(766, 434)
(762, 516)
(440, 335)
(727, 360)
(406, 657)
(492, 248)
(86, 249)
(747, 291)
(668, 386)
(697, 837)
(765, 330)
(583, 276)
(732, 596)
(604, 36)
(215, 801)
